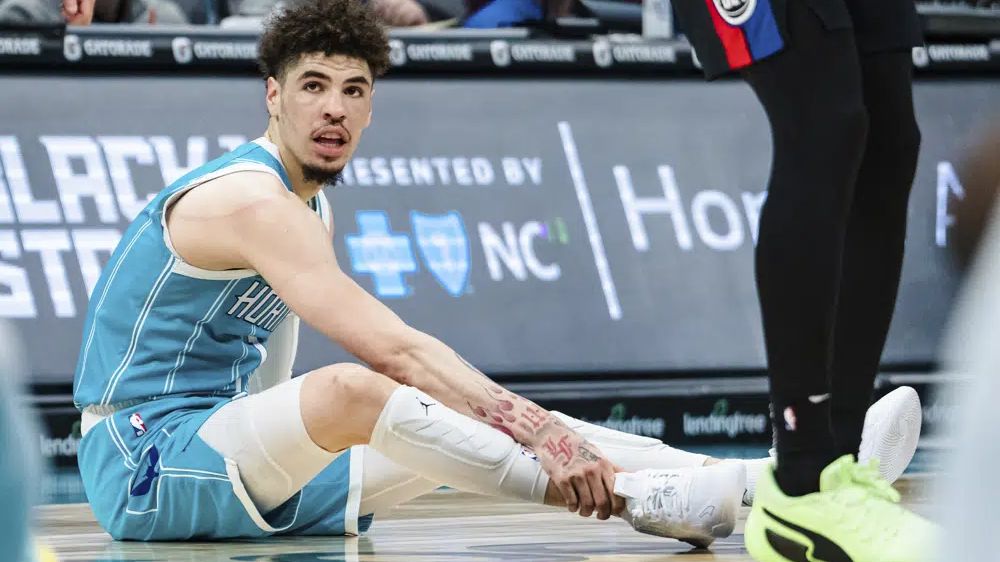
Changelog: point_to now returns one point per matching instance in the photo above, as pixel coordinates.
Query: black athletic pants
(830, 246)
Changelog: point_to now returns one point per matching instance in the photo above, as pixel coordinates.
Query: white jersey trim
(356, 477)
(233, 471)
(269, 146)
(188, 270)
(325, 211)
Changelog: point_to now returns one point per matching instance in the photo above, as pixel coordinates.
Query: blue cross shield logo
(381, 253)
(444, 247)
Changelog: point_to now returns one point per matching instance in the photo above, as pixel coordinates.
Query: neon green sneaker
(855, 517)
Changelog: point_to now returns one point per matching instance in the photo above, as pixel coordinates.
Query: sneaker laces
(664, 497)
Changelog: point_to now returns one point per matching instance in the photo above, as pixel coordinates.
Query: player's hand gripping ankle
(580, 472)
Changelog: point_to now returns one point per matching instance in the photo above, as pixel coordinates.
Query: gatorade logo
(500, 53)
(183, 52)
(397, 52)
(735, 12)
(603, 56)
(72, 49)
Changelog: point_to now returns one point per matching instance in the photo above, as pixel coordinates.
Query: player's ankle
(797, 474)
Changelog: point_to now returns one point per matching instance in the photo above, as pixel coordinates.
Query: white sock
(418, 432)
(754, 469)
(632, 452)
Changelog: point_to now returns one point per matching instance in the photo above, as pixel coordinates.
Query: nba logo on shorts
(442, 242)
(138, 426)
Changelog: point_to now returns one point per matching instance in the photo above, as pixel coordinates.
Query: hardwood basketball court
(442, 526)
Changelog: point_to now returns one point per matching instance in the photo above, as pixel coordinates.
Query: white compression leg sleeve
(387, 484)
(632, 452)
(265, 436)
(416, 431)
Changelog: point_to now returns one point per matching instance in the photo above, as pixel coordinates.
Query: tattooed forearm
(494, 419)
(497, 408)
(534, 417)
(514, 415)
(507, 408)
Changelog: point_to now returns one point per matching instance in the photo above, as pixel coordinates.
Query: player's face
(321, 108)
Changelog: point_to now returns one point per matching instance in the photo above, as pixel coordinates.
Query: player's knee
(844, 131)
(350, 383)
(894, 143)
(910, 137)
(829, 149)
(840, 129)
(825, 155)
(854, 126)
(341, 403)
(897, 143)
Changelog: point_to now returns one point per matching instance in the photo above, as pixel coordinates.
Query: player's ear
(272, 96)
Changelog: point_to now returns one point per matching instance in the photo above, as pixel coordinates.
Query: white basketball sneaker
(890, 434)
(696, 505)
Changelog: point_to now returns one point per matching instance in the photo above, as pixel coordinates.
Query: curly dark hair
(332, 27)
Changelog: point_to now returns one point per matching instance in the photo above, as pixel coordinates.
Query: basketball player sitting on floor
(193, 427)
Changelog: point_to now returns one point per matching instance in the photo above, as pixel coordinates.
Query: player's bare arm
(269, 229)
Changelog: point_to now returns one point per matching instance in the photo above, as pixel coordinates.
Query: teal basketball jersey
(157, 326)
